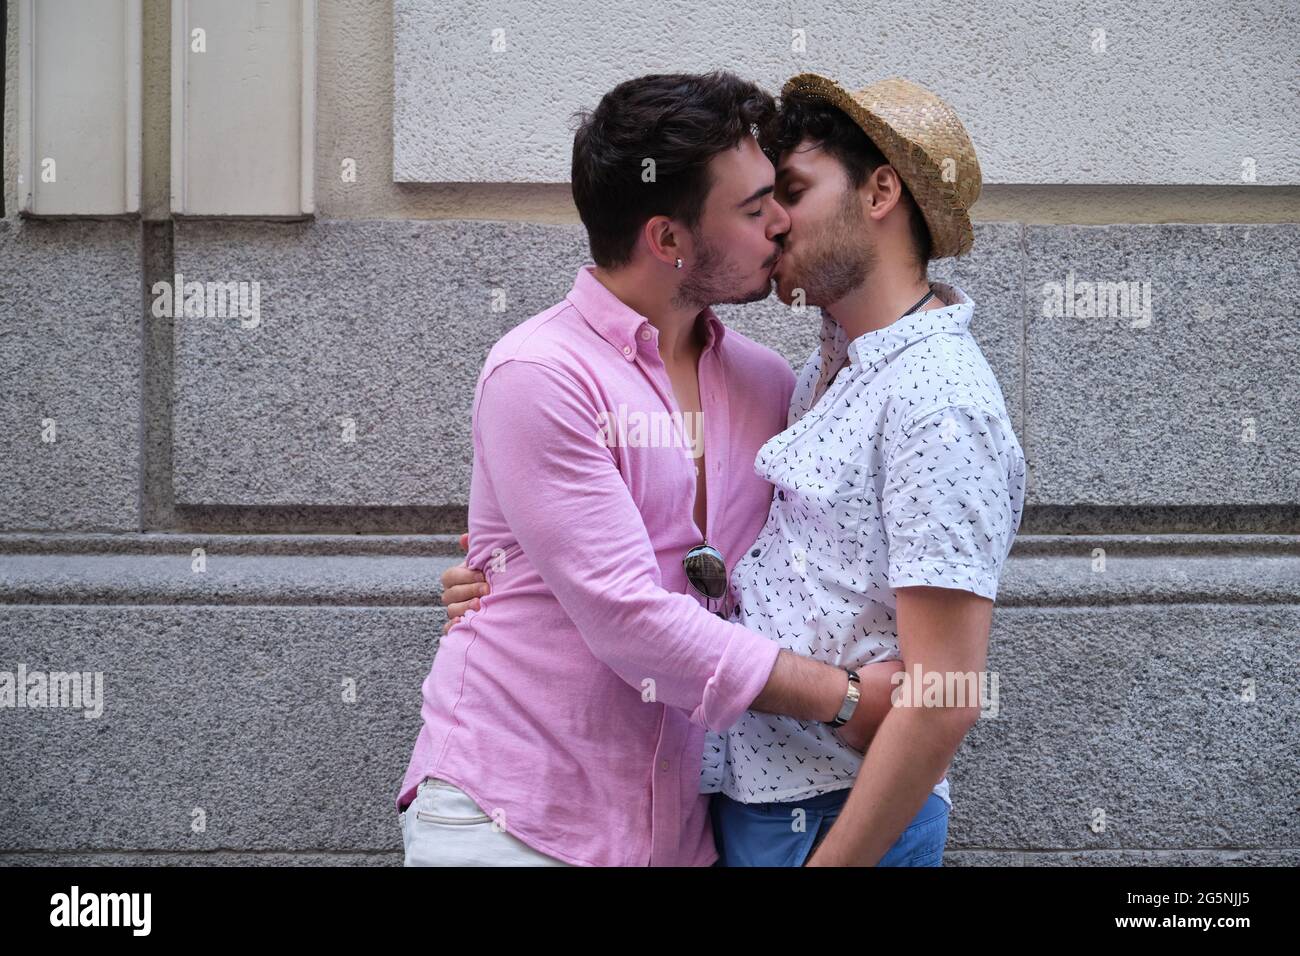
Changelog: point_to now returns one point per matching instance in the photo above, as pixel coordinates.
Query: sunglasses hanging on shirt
(706, 570)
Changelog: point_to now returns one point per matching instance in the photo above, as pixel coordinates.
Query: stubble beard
(712, 281)
(841, 256)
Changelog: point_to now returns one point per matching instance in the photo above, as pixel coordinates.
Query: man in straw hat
(900, 486)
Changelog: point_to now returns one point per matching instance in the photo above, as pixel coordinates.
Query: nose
(779, 224)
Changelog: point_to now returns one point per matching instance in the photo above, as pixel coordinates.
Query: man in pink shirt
(614, 433)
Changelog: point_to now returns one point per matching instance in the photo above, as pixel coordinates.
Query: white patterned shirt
(903, 471)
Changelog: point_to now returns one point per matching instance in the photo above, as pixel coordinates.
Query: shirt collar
(619, 324)
(869, 347)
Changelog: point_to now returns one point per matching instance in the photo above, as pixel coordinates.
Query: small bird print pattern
(899, 467)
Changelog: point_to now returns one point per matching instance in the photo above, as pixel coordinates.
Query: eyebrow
(757, 194)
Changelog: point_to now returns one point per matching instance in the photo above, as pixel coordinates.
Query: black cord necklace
(924, 299)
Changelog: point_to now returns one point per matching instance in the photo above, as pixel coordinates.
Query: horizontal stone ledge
(1170, 545)
(439, 545)
(1284, 856)
(347, 520)
(951, 856)
(239, 579)
(405, 570)
(1103, 570)
(1162, 520)
(297, 545)
(202, 858)
(1058, 581)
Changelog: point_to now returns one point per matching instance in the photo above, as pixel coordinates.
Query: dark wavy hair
(801, 115)
(678, 120)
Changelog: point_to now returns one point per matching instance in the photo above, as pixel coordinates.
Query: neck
(881, 300)
(647, 295)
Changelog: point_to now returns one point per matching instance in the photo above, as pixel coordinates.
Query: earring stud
(679, 262)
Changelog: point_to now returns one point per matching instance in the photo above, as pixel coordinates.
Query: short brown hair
(679, 120)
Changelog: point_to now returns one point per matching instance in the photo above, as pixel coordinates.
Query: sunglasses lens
(706, 571)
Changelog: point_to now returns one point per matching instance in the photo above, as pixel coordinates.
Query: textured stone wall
(239, 523)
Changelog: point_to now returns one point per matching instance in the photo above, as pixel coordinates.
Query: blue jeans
(764, 834)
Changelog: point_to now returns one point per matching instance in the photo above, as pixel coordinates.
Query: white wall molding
(243, 109)
(79, 87)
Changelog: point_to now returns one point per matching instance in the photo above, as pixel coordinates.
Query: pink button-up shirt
(573, 706)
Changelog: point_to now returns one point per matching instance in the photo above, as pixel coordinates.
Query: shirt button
(627, 350)
(754, 553)
(664, 765)
(781, 495)
(645, 335)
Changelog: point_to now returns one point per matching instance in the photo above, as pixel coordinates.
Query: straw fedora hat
(923, 139)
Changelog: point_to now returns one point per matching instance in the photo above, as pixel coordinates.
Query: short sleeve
(952, 500)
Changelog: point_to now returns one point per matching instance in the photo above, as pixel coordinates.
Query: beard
(713, 280)
(839, 256)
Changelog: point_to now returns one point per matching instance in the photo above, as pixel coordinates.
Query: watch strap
(851, 697)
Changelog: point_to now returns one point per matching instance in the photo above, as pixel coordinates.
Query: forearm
(806, 689)
(877, 687)
(907, 758)
(802, 688)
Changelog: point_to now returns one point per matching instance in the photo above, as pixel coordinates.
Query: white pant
(443, 826)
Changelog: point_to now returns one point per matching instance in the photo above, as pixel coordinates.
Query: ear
(661, 237)
(884, 190)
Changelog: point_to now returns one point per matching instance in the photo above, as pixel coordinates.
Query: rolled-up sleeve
(560, 491)
(948, 504)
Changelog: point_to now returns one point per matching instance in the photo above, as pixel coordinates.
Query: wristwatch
(851, 697)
